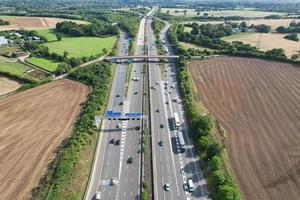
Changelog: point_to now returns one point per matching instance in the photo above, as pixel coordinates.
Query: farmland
(32, 23)
(8, 85)
(256, 102)
(242, 13)
(265, 41)
(35, 121)
(81, 46)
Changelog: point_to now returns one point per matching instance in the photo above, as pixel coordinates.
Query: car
(117, 95)
(167, 187)
(167, 102)
(156, 82)
(118, 126)
(191, 185)
(157, 110)
(121, 103)
(166, 88)
(135, 92)
(98, 196)
(130, 160)
(113, 181)
(117, 142)
(111, 141)
(161, 143)
(152, 87)
(137, 128)
(161, 126)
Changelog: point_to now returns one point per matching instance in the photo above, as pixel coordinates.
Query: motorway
(169, 166)
(111, 159)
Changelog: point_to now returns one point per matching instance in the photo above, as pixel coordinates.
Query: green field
(237, 36)
(14, 68)
(188, 29)
(43, 63)
(48, 34)
(81, 46)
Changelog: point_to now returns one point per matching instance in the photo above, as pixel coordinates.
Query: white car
(167, 187)
(98, 196)
(113, 181)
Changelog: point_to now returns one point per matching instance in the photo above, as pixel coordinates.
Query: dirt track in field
(258, 104)
(33, 124)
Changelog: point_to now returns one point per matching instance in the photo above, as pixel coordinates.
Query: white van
(191, 185)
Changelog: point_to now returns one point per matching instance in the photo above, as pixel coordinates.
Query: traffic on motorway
(117, 169)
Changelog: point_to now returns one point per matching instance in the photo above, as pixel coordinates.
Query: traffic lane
(106, 138)
(171, 150)
(164, 135)
(191, 167)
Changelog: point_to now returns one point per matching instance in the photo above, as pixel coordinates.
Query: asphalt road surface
(169, 165)
(111, 160)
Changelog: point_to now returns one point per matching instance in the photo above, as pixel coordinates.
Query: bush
(227, 192)
(213, 150)
(215, 163)
(218, 178)
(292, 36)
(204, 143)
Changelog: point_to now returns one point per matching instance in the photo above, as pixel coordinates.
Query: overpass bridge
(138, 58)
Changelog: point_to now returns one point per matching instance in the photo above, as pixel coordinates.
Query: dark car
(121, 103)
(135, 92)
(117, 142)
(157, 110)
(117, 95)
(111, 141)
(137, 128)
(161, 126)
(161, 143)
(167, 102)
(129, 160)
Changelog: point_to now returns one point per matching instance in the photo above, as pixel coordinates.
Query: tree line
(234, 48)
(96, 28)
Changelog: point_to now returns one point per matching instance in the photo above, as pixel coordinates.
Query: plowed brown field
(33, 23)
(33, 124)
(258, 104)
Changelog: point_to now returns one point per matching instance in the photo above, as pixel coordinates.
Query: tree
(59, 36)
(227, 192)
(293, 36)
(281, 29)
(105, 51)
(294, 57)
(65, 55)
(213, 150)
(62, 68)
(218, 178)
(215, 163)
(195, 31)
(276, 53)
(204, 143)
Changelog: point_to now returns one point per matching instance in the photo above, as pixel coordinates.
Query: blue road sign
(133, 114)
(110, 113)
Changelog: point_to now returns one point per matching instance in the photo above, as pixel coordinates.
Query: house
(236, 30)
(3, 41)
